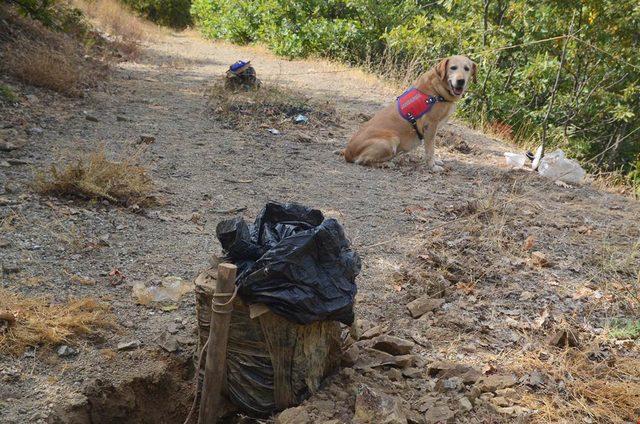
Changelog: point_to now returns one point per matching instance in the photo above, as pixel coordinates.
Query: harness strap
(414, 123)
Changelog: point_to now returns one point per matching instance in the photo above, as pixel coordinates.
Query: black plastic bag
(295, 262)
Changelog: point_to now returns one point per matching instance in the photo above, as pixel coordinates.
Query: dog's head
(455, 73)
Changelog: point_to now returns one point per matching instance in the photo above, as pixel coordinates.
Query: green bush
(6, 94)
(173, 13)
(597, 104)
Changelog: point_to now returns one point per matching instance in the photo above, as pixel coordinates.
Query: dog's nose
(460, 82)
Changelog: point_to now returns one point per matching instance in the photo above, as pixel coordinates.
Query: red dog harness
(413, 103)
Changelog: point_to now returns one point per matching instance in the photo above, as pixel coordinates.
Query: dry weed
(94, 177)
(40, 65)
(268, 106)
(115, 18)
(39, 322)
(599, 385)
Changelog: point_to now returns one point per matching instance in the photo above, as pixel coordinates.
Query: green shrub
(7, 94)
(173, 13)
(597, 104)
(625, 329)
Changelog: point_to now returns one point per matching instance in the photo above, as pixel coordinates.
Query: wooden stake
(214, 372)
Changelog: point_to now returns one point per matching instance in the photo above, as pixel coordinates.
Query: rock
(412, 373)
(508, 393)
(500, 401)
(453, 383)
(379, 358)
(513, 411)
(298, 415)
(492, 383)
(372, 332)
(422, 305)
(535, 379)
(414, 417)
(539, 259)
(10, 140)
(11, 268)
(168, 342)
(90, 118)
(7, 320)
(8, 146)
(447, 369)
(392, 345)
(350, 356)
(374, 407)
(465, 404)
(185, 340)
(405, 361)
(394, 374)
(32, 98)
(14, 161)
(439, 414)
(35, 131)
(121, 118)
(65, 351)
(173, 328)
(147, 138)
(132, 345)
(425, 402)
(11, 187)
(304, 138)
(564, 338)
(325, 408)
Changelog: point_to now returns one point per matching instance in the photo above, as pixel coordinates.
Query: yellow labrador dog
(414, 116)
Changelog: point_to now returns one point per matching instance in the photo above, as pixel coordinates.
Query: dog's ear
(474, 72)
(441, 69)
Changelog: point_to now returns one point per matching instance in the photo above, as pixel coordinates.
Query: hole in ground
(163, 396)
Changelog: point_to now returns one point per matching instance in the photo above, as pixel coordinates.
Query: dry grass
(116, 19)
(65, 62)
(39, 65)
(600, 385)
(94, 177)
(617, 182)
(39, 322)
(268, 106)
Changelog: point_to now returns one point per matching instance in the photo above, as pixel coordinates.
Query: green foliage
(597, 103)
(625, 329)
(6, 94)
(173, 13)
(40, 10)
(54, 14)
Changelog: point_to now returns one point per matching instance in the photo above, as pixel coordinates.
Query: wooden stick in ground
(214, 372)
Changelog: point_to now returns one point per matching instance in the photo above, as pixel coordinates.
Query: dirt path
(390, 215)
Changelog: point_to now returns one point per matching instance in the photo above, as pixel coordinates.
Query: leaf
(169, 308)
(528, 243)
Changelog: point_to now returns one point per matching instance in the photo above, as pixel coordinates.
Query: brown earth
(513, 257)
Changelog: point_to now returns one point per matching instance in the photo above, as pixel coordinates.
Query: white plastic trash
(515, 160)
(535, 162)
(559, 168)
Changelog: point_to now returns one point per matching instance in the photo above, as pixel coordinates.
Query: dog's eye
(466, 68)
(453, 68)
